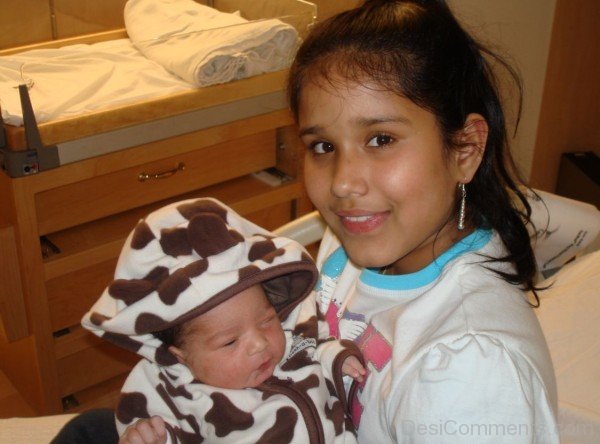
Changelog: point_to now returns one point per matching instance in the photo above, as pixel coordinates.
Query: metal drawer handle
(142, 177)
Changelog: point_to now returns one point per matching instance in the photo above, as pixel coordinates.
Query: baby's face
(235, 345)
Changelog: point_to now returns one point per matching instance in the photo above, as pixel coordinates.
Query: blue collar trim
(474, 241)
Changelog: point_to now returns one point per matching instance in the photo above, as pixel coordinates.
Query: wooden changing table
(61, 230)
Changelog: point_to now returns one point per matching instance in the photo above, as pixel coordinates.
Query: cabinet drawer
(72, 295)
(93, 365)
(92, 199)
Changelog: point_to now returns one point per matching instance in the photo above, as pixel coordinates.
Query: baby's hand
(353, 368)
(145, 431)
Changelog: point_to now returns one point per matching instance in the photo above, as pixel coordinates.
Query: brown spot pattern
(189, 418)
(130, 290)
(335, 414)
(157, 275)
(142, 236)
(196, 268)
(226, 417)
(261, 249)
(299, 360)
(170, 289)
(270, 257)
(283, 429)
(308, 328)
(132, 406)
(149, 322)
(174, 391)
(330, 387)
(247, 271)
(164, 357)
(184, 437)
(191, 209)
(310, 382)
(98, 318)
(208, 235)
(174, 242)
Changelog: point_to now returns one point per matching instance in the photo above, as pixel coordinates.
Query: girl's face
(235, 345)
(376, 170)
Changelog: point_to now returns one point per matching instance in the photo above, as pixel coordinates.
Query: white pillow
(564, 227)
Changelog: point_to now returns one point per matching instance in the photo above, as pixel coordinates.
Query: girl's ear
(178, 354)
(471, 146)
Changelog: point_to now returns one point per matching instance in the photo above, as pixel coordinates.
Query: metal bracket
(36, 157)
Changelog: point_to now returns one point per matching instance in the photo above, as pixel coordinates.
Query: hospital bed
(569, 316)
(75, 178)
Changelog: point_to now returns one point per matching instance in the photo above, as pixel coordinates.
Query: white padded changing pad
(173, 46)
(78, 79)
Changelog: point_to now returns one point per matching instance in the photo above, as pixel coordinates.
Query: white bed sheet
(570, 318)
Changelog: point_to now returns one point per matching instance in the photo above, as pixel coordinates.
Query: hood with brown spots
(186, 258)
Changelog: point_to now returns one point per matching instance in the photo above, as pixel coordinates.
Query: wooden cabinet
(61, 231)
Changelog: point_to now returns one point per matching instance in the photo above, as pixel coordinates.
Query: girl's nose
(349, 176)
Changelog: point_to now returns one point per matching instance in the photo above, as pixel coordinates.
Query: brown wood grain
(570, 113)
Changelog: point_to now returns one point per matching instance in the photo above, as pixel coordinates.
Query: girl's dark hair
(418, 50)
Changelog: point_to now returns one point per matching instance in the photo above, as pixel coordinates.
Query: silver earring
(461, 211)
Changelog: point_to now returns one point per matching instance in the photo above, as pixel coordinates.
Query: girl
(428, 257)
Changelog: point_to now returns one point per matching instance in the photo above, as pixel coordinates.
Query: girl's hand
(145, 431)
(353, 368)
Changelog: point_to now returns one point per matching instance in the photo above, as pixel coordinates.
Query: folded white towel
(205, 46)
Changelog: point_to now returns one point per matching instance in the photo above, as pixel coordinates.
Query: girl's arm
(472, 390)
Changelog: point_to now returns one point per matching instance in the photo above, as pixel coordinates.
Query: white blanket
(205, 46)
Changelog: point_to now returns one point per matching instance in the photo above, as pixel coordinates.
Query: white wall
(521, 30)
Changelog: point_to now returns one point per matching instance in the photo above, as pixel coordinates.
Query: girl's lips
(361, 223)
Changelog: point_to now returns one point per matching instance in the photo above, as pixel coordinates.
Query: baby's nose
(258, 344)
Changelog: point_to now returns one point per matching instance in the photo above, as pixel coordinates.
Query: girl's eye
(321, 147)
(380, 140)
(229, 343)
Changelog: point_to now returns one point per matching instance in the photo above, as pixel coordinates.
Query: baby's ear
(178, 353)
(471, 141)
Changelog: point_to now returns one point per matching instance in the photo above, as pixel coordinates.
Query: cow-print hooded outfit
(181, 261)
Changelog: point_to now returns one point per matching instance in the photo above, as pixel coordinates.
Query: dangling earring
(461, 211)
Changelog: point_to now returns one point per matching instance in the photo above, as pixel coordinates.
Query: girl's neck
(427, 252)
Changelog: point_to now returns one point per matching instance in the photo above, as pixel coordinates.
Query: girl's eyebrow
(362, 121)
(310, 130)
(383, 119)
